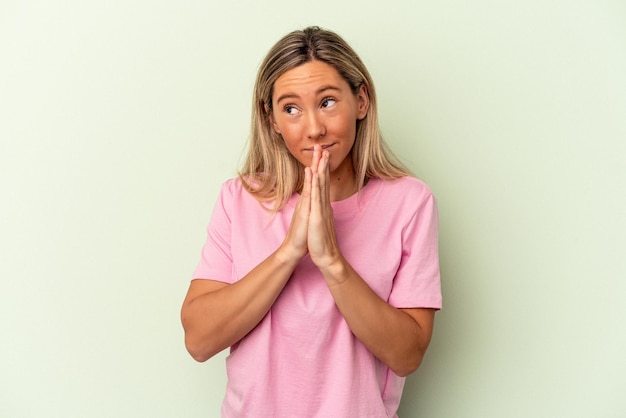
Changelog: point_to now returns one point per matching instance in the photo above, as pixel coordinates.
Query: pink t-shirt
(302, 360)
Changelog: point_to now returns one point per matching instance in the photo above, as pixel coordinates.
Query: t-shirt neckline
(352, 203)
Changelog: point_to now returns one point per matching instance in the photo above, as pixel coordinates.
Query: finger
(324, 173)
(322, 166)
(303, 207)
(314, 188)
(305, 194)
(296, 240)
(306, 187)
(317, 154)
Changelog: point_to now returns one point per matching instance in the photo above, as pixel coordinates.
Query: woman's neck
(342, 183)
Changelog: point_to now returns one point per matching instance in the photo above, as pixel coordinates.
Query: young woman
(320, 270)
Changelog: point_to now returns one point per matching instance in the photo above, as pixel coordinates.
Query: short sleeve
(417, 283)
(216, 262)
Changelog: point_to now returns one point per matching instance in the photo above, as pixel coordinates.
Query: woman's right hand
(294, 247)
(216, 315)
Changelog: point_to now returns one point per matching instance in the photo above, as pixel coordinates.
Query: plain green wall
(119, 120)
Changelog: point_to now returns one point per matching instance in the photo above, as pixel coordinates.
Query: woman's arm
(215, 315)
(397, 337)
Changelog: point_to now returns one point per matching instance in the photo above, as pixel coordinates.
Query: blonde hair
(270, 173)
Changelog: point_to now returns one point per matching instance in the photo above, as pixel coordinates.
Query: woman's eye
(328, 102)
(291, 110)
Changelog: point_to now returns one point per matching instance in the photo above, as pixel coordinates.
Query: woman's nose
(315, 127)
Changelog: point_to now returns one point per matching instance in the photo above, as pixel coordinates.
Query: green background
(119, 121)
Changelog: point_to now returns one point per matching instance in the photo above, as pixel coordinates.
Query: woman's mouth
(326, 146)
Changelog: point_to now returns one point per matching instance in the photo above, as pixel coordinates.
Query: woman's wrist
(335, 271)
(287, 255)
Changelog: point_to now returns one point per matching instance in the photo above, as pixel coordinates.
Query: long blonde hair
(270, 173)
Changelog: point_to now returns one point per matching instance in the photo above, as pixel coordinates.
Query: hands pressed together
(216, 315)
(312, 227)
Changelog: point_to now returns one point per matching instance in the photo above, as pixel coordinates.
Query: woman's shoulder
(240, 184)
(232, 186)
(242, 191)
(407, 187)
(234, 189)
(400, 198)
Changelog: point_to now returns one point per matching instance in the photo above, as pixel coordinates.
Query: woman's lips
(323, 147)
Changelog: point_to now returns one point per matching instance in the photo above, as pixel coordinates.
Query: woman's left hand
(398, 337)
(322, 242)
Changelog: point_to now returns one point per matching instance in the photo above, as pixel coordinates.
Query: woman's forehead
(312, 77)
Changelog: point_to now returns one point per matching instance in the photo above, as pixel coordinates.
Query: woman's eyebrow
(287, 96)
(322, 89)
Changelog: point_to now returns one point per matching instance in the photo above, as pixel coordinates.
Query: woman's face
(312, 104)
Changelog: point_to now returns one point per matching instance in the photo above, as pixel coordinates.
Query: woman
(320, 270)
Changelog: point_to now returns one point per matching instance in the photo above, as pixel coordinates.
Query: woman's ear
(363, 100)
(270, 115)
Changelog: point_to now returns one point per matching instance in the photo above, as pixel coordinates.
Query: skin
(316, 113)
(314, 105)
